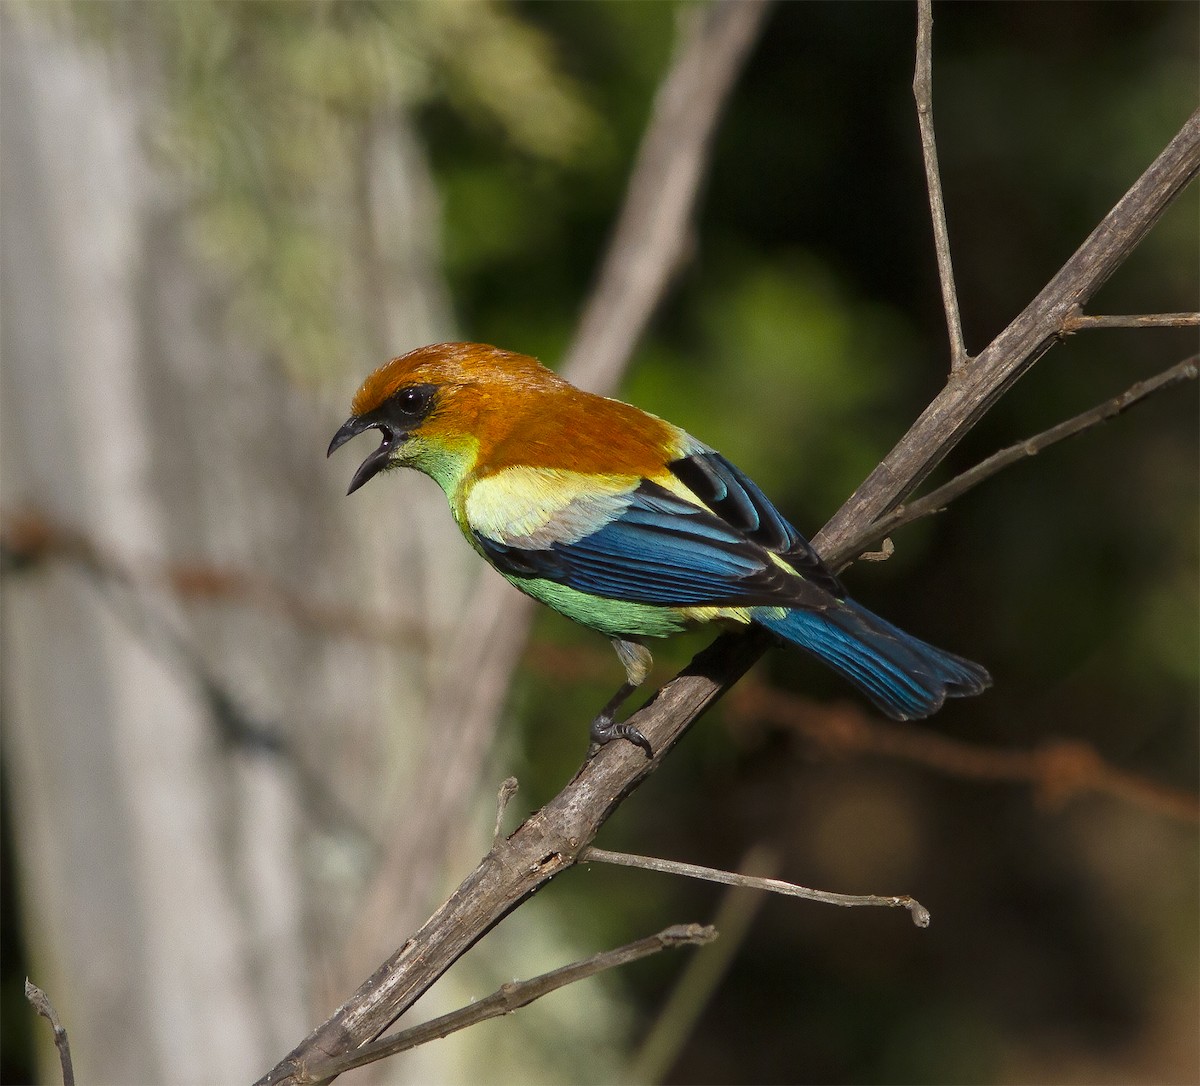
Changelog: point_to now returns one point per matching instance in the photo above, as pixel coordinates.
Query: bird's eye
(413, 401)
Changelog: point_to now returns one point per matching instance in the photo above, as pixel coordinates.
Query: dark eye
(413, 402)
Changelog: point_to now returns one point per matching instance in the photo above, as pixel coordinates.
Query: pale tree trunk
(178, 874)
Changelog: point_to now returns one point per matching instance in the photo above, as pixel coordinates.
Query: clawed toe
(604, 730)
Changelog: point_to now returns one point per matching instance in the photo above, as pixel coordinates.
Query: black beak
(378, 460)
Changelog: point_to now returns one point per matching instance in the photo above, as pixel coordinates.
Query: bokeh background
(228, 692)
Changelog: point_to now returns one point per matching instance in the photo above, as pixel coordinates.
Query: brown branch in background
(651, 238)
(1080, 322)
(511, 997)
(923, 93)
(41, 1003)
(1058, 771)
(31, 537)
(920, 914)
(937, 500)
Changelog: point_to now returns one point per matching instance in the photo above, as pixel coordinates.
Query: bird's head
(434, 407)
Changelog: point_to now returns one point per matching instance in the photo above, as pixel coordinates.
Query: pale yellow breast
(536, 507)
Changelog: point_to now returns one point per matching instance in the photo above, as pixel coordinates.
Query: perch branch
(22, 547)
(920, 914)
(510, 997)
(923, 93)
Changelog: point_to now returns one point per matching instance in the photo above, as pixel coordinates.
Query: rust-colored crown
(451, 363)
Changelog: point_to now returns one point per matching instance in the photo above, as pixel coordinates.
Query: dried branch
(510, 997)
(923, 93)
(1059, 770)
(41, 1003)
(920, 915)
(1080, 322)
(937, 500)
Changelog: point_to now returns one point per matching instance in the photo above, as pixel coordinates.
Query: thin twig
(510, 997)
(508, 789)
(920, 914)
(937, 500)
(41, 1003)
(923, 93)
(1081, 322)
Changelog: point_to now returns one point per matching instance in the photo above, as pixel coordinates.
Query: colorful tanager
(626, 523)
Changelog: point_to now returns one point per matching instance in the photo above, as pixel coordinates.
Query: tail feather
(905, 677)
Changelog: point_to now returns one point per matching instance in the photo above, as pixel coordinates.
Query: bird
(626, 523)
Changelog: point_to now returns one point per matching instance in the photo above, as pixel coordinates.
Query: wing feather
(736, 499)
(661, 549)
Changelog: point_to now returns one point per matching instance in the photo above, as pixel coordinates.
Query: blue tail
(905, 677)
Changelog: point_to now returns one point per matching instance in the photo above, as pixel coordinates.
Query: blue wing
(663, 549)
(734, 497)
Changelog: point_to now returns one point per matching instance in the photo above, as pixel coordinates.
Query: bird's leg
(605, 729)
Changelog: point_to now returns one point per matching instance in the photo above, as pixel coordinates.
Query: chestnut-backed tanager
(626, 523)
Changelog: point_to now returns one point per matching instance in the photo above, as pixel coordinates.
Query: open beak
(378, 460)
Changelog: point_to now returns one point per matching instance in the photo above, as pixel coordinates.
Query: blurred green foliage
(265, 113)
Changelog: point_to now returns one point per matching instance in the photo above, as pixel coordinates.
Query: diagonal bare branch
(651, 238)
(972, 392)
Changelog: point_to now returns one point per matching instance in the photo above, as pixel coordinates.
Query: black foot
(604, 730)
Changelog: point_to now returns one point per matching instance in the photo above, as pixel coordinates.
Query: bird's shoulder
(566, 429)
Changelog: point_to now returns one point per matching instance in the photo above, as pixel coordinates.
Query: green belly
(616, 618)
